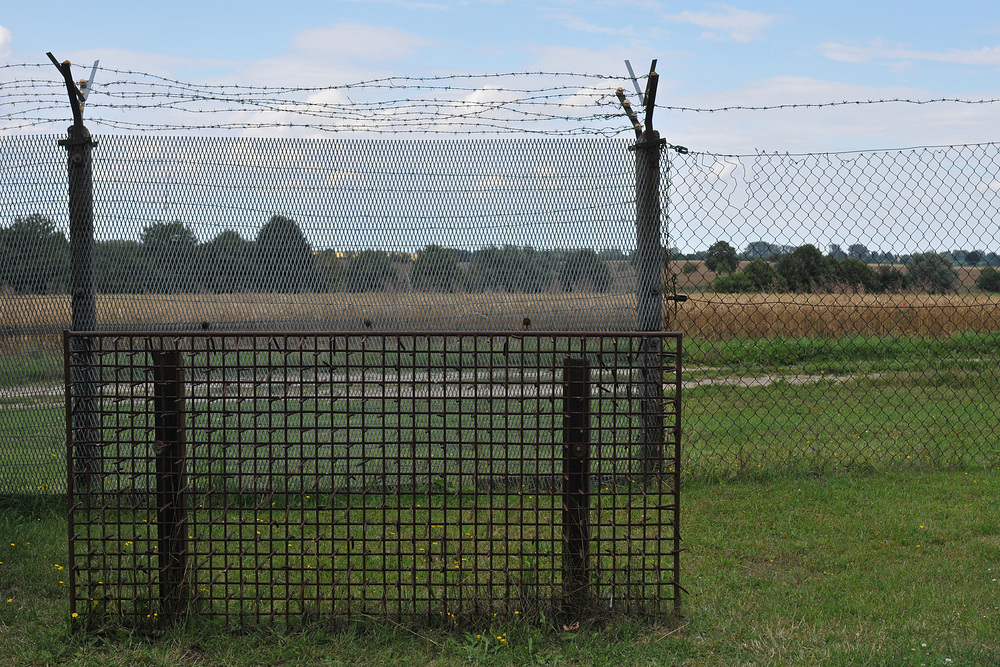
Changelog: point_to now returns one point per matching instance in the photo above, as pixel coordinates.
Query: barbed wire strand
(555, 103)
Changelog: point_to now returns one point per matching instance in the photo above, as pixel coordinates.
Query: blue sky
(710, 54)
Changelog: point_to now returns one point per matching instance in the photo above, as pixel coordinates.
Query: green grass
(923, 404)
(932, 418)
(444, 560)
(843, 354)
(844, 569)
(852, 352)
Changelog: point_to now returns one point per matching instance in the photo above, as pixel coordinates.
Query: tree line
(772, 252)
(806, 269)
(169, 258)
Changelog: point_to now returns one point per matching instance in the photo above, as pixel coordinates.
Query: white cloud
(878, 50)
(5, 39)
(369, 42)
(576, 23)
(739, 25)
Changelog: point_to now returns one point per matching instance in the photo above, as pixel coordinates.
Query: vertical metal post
(648, 248)
(71, 498)
(649, 295)
(88, 464)
(649, 279)
(576, 485)
(171, 483)
(79, 147)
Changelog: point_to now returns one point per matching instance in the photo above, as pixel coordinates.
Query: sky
(709, 55)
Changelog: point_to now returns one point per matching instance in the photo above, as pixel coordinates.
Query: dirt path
(469, 389)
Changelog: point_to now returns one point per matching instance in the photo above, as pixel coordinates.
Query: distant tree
(229, 263)
(734, 283)
(806, 270)
(34, 256)
(989, 280)
(689, 268)
(170, 257)
(436, 269)
(768, 252)
(119, 267)
(932, 272)
(890, 279)
(859, 251)
(721, 258)
(329, 267)
(485, 269)
(612, 255)
(510, 269)
(757, 250)
(762, 276)
(836, 252)
(369, 271)
(583, 271)
(284, 258)
(757, 276)
(857, 276)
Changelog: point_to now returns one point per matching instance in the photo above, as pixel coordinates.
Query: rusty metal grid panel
(439, 477)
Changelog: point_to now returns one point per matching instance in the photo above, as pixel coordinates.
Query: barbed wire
(821, 105)
(557, 103)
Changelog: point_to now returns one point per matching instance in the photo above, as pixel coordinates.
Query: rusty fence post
(171, 483)
(576, 484)
(649, 268)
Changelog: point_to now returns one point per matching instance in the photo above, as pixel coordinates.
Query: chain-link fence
(841, 310)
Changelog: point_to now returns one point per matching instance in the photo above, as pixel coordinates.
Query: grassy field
(846, 569)
(440, 560)
(750, 406)
(840, 508)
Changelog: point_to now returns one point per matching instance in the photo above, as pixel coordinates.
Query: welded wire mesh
(865, 335)
(452, 477)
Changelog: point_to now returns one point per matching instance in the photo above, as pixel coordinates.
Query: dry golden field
(702, 278)
(722, 316)
(32, 319)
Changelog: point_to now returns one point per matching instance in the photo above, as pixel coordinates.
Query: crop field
(32, 321)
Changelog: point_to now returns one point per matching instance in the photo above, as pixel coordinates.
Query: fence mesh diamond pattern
(840, 310)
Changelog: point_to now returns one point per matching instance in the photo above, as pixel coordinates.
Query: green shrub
(584, 271)
(436, 269)
(933, 272)
(989, 280)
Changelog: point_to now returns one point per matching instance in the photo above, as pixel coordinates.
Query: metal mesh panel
(252, 234)
(876, 348)
(864, 335)
(452, 477)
